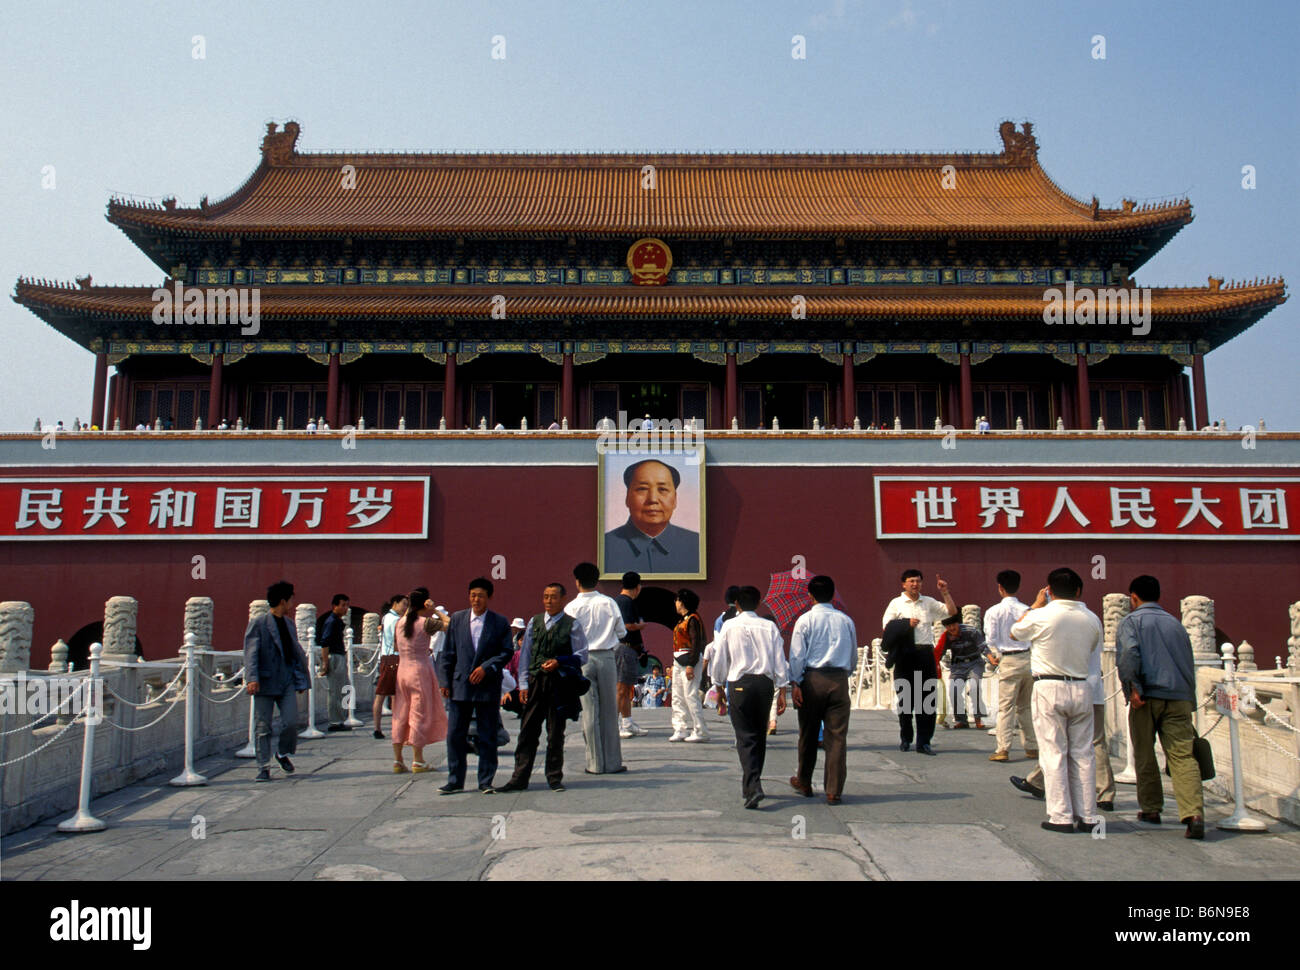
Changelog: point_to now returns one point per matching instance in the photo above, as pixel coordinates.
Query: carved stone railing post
(257, 608)
(119, 627)
(1293, 642)
(370, 630)
(1198, 620)
(1114, 607)
(1246, 657)
(16, 619)
(198, 620)
(305, 618)
(59, 657)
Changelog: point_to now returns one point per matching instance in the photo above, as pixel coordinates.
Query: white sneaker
(636, 729)
(696, 736)
(678, 736)
(624, 733)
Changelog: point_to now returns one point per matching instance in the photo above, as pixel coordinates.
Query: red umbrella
(788, 597)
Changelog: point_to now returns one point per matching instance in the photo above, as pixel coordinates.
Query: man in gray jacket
(276, 671)
(1159, 679)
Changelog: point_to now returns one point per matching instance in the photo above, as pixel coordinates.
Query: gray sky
(112, 97)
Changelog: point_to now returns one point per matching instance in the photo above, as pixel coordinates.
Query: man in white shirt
(922, 611)
(602, 623)
(386, 673)
(1064, 634)
(1100, 745)
(1015, 683)
(750, 661)
(823, 653)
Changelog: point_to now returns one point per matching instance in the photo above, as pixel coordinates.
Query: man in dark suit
(648, 542)
(478, 648)
(276, 672)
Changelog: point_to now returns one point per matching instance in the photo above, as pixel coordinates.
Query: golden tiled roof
(623, 302)
(296, 194)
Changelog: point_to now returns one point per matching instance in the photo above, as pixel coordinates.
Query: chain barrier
(1281, 721)
(66, 727)
(238, 692)
(362, 668)
(154, 700)
(142, 727)
(219, 678)
(1269, 741)
(44, 717)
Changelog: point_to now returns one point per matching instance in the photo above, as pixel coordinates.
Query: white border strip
(243, 536)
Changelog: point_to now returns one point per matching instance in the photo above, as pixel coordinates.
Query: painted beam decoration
(1067, 507)
(209, 507)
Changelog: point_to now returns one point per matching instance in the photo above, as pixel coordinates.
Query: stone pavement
(676, 814)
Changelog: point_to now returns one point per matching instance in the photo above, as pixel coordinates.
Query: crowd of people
(449, 676)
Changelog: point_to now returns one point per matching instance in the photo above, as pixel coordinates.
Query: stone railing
(141, 732)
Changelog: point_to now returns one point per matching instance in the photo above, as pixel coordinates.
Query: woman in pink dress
(419, 717)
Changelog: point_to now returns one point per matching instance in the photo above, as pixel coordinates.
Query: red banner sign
(1024, 507)
(203, 507)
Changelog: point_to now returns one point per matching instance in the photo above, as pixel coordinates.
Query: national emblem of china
(649, 260)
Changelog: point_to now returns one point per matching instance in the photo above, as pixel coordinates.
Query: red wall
(542, 521)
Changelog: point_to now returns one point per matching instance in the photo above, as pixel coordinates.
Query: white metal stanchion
(879, 702)
(249, 750)
(189, 776)
(352, 720)
(313, 657)
(1227, 700)
(83, 821)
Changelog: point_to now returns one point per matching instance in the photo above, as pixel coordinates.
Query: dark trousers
(749, 700)
(825, 698)
(918, 694)
(487, 714)
(541, 710)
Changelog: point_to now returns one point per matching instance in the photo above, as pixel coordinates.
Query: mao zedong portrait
(648, 542)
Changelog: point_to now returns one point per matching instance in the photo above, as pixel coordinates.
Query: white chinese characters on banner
(1029, 506)
(317, 503)
(369, 508)
(45, 503)
(934, 508)
(1263, 508)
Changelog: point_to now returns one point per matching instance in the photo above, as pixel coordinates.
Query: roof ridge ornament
(1018, 147)
(278, 145)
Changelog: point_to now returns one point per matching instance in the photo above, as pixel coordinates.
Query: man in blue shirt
(823, 652)
(334, 659)
(1158, 674)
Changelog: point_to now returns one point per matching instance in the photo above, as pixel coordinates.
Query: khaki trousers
(1063, 723)
(1172, 720)
(1101, 754)
(1015, 689)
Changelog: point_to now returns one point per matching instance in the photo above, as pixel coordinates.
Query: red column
(732, 393)
(450, 400)
(967, 396)
(346, 393)
(566, 392)
(332, 393)
(1082, 393)
(1199, 400)
(101, 378)
(112, 404)
(215, 392)
(850, 396)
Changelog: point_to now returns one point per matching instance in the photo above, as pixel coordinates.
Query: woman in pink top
(418, 715)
